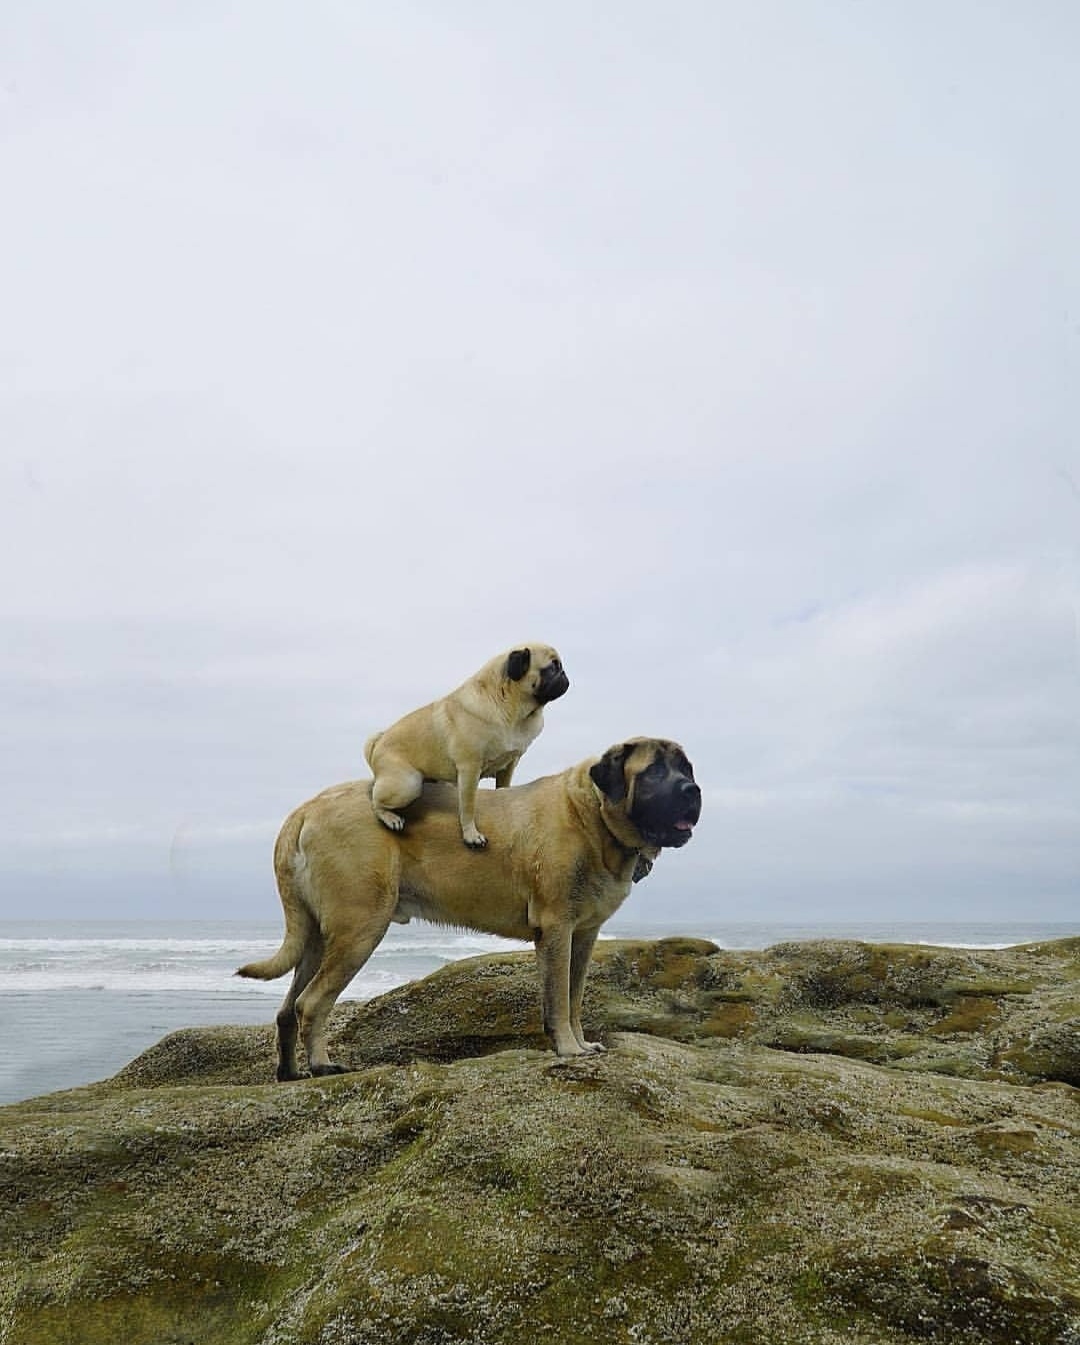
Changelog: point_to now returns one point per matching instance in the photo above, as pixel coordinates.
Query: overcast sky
(731, 347)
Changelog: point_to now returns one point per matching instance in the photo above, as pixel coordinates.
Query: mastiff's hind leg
(287, 1025)
(347, 949)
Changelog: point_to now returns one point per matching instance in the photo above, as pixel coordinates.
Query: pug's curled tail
(290, 864)
(369, 747)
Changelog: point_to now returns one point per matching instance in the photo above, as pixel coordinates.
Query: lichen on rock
(824, 1142)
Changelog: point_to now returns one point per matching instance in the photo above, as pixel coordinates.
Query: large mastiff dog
(562, 855)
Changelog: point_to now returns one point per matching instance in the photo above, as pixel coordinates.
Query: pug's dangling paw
(394, 821)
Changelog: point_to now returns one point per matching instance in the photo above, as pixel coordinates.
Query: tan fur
(561, 861)
(478, 732)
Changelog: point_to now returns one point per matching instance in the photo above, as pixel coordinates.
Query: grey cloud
(733, 350)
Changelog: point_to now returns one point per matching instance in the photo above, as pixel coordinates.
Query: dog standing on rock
(564, 852)
(477, 732)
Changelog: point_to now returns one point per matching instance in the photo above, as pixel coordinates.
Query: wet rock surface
(821, 1142)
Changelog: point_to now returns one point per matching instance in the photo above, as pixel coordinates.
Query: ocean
(80, 999)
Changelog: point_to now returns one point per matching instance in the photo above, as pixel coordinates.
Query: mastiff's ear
(517, 665)
(607, 775)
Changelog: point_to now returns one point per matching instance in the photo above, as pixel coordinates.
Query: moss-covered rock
(832, 1142)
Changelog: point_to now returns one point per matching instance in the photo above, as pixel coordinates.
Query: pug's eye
(555, 665)
(654, 771)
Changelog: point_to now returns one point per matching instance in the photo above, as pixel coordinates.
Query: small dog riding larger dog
(477, 732)
(563, 853)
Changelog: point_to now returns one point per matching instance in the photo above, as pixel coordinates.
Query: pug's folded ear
(607, 774)
(517, 665)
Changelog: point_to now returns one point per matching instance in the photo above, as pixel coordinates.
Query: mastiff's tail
(289, 866)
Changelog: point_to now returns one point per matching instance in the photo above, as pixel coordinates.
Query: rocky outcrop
(826, 1142)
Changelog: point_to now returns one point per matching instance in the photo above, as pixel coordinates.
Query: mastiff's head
(538, 672)
(650, 783)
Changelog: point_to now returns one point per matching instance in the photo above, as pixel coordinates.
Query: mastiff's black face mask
(667, 801)
(663, 801)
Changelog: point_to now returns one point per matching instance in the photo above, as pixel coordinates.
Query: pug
(477, 732)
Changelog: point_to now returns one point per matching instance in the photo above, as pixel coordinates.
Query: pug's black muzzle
(552, 687)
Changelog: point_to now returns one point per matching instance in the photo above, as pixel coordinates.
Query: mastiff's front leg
(581, 946)
(553, 955)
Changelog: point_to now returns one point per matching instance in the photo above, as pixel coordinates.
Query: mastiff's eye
(655, 771)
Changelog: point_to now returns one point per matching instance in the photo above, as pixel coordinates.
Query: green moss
(934, 1117)
(984, 986)
(793, 1037)
(1052, 1054)
(672, 963)
(728, 1020)
(955, 1066)
(950, 1297)
(149, 1298)
(1007, 1141)
(676, 1027)
(868, 1182)
(971, 1014)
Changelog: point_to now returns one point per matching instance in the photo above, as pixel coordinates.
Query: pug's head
(538, 672)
